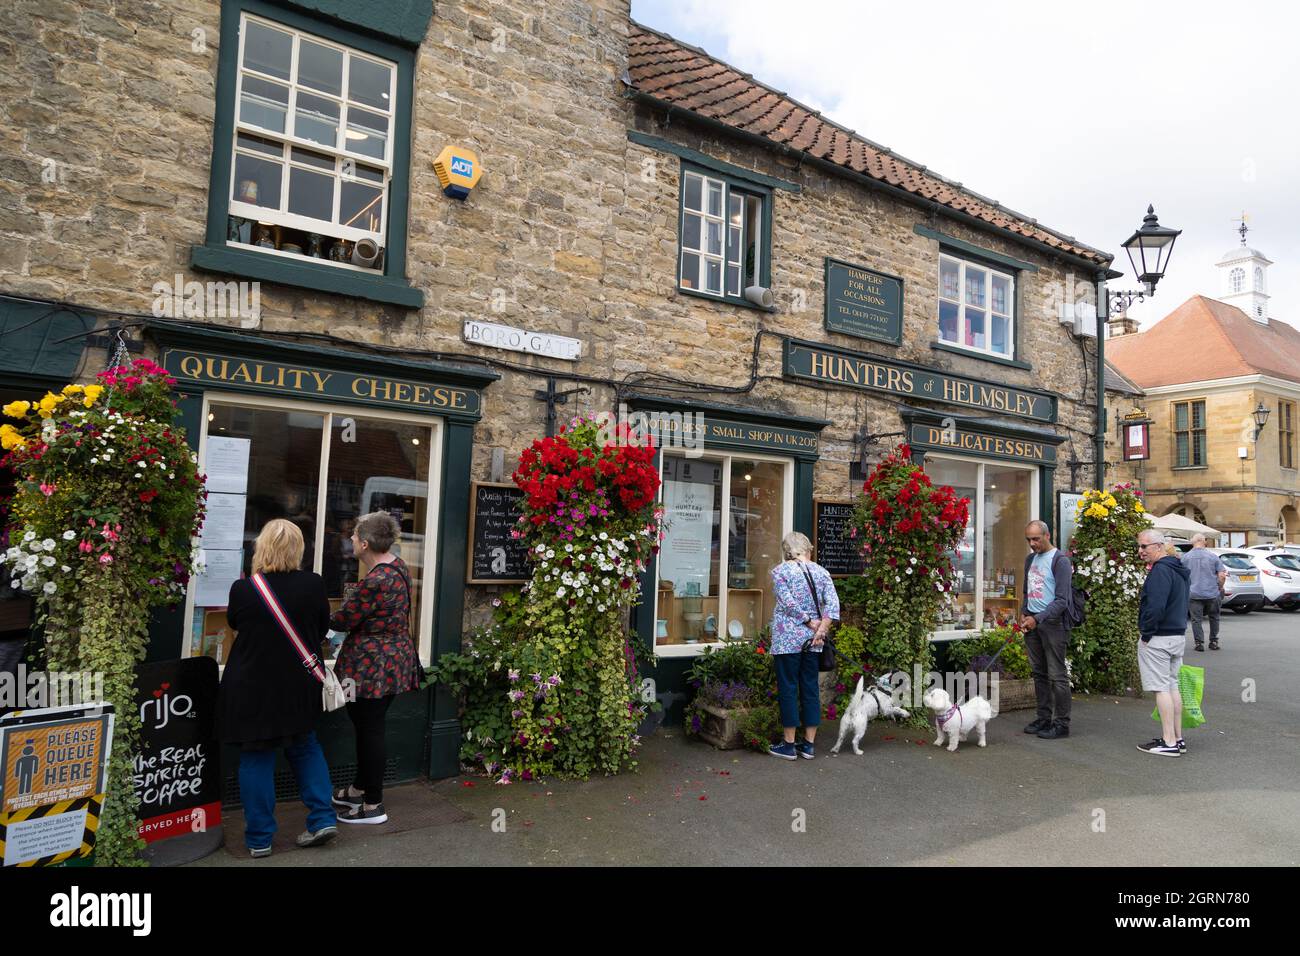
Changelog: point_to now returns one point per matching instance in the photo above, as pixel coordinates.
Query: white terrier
(867, 704)
(957, 721)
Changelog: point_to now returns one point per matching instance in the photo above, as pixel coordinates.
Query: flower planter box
(1016, 694)
(721, 726)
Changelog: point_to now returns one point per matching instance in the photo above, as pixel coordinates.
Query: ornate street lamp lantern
(1261, 418)
(1149, 249)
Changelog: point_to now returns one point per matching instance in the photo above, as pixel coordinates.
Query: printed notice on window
(223, 526)
(221, 570)
(226, 464)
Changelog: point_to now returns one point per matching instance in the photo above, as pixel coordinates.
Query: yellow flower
(9, 438)
(92, 394)
(17, 409)
(71, 389)
(1096, 511)
(49, 403)
(1109, 501)
(1139, 509)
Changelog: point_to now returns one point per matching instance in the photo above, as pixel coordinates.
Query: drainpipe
(1099, 441)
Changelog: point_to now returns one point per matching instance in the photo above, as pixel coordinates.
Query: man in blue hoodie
(1162, 623)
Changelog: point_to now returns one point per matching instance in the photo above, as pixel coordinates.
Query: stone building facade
(130, 133)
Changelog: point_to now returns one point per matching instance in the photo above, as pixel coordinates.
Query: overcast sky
(1078, 119)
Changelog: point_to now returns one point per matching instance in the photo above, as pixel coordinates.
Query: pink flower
(105, 559)
(48, 490)
(86, 547)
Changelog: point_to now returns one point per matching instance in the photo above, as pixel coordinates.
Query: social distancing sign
(55, 763)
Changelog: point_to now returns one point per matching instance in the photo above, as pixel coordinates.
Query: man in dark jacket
(1162, 622)
(1046, 620)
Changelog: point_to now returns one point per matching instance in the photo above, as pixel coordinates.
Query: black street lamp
(1149, 249)
(1261, 418)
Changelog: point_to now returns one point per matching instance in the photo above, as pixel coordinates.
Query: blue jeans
(796, 689)
(257, 789)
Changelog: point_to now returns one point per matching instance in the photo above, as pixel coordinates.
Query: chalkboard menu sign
(835, 550)
(494, 556)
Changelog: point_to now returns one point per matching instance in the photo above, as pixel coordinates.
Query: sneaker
(1214, 645)
(341, 799)
(1160, 748)
(807, 750)
(257, 852)
(359, 814)
(320, 837)
(784, 751)
(1201, 647)
(1182, 745)
(1042, 723)
(1054, 732)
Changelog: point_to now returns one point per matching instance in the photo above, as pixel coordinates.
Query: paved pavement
(1234, 800)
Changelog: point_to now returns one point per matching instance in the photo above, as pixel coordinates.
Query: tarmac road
(1090, 800)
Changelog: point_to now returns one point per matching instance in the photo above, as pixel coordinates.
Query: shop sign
(300, 381)
(54, 762)
(1010, 447)
(821, 363)
(1137, 440)
(177, 769)
(863, 302)
(791, 441)
(518, 340)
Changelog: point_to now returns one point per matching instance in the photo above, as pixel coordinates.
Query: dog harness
(954, 709)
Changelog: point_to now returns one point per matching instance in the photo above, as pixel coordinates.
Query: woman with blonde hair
(269, 701)
(378, 656)
(806, 605)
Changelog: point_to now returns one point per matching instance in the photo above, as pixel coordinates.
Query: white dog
(957, 720)
(866, 704)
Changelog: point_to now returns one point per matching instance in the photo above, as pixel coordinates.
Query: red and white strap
(309, 660)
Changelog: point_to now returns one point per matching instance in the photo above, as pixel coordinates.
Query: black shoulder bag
(826, 656)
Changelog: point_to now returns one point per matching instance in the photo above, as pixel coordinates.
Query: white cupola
(1245, 278)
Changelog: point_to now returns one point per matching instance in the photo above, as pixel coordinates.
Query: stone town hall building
(249, 189)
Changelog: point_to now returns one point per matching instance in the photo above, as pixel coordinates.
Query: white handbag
(332, 694)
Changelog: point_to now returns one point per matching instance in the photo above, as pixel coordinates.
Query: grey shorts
(1159, 661)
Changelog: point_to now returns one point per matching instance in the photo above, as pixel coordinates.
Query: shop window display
(706, 596)
(267, 462)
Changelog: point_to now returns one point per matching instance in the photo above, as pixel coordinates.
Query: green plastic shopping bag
(1191, 683)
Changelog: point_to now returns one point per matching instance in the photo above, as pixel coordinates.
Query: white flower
(604, 536)
(50, 587)
(48, 561)
(66, 569)
(69, 535)
(29, 536)
(559, 592)
(48, 544)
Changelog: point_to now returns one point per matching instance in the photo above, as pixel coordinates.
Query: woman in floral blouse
(806, 604)
(378, 657)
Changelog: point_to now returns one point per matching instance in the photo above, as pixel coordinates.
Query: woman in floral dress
(378, 656)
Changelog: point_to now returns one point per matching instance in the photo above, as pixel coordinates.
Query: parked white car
(1291, 549)
(1280, 575)
(1242, 591)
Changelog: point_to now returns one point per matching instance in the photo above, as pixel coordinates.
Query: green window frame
(220, 254)
(724, 235)
(1189, 434)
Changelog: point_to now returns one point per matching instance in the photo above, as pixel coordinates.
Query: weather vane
(1243, 228)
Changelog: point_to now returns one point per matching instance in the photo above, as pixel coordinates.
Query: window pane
(1198, 414)
(948, 321)
(317, 119)
(999, 338)
(715, 198)
(949, 277)
(361, 206)
(753, 232)
(320, 67)
(713, 236)
(270, 147)
(959, 609)
(1198, 448)
(1180, 415)
(376, 465)
(367, 132)
(1001, 295)
(691, 229)
(319, 160)
(735, 208)
(1006, 512)
(266, 50)
(690, 270)
(1183, 446)
(283, 454)
(257, 181)
(311, 195)
(264, 104)
(368, 82)
(733, 280)
(975, 328)
(733, 244)
(694, 192)
(757, 510)
(690, 555)
(713, 275)
(974, 286)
